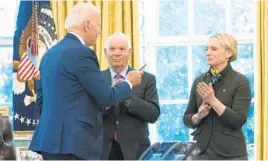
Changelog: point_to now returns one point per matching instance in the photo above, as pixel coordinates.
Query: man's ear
(105, 52)
(130, 51)
(87, 26)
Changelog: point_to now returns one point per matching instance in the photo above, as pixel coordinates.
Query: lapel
(107, 76)
(129, 69)
(138, 88)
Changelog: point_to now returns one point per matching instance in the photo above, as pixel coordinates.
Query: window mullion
(190, 17)
(228, 23)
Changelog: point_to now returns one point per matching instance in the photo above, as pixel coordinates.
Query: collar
(79, 37)
(123, 73)
(223, 72)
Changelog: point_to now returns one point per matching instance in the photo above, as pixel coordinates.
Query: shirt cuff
(130, 85)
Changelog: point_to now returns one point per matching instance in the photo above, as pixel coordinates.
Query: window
(173, 37)
(8, 10)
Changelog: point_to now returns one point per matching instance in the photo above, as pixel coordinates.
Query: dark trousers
(210, 154)
(50, 156)
(116, 152)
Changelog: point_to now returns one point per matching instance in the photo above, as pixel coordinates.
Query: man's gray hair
(79, 13)
(117, 35)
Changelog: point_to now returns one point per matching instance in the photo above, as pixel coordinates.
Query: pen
(143, 67)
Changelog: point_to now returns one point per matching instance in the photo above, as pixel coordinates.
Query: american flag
(35, 33)
(27, 70)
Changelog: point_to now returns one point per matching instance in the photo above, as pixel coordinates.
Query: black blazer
(224, 133)
(131, 119)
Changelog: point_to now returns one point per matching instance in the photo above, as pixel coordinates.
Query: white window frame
(148, 56)
(7, 41)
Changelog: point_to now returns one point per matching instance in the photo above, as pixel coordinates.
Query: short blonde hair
(228, 42)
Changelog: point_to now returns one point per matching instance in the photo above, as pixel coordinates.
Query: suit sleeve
(87, 71)
(191, 108)
(236, 116)
(147, 109)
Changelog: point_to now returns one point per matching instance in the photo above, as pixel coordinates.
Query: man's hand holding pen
(135, 76)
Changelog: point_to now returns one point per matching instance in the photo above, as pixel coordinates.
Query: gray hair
(117, 35)
(79, 14)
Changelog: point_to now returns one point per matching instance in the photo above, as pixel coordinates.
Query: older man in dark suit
(126, 134)
(73, 91)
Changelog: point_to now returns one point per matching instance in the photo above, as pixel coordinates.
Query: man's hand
(134, 77)
(116, 82)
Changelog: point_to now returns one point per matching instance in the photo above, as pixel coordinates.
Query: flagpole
(34, 42)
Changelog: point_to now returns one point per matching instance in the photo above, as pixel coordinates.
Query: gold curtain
(117, 16)
(262, 80)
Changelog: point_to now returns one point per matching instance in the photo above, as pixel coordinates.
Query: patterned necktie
(117, 77)
(215, 75)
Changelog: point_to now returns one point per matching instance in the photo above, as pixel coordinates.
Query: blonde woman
(219, 103)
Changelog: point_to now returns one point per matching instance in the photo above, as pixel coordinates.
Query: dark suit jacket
(132, 119)
(73, 90)
(224, 133)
